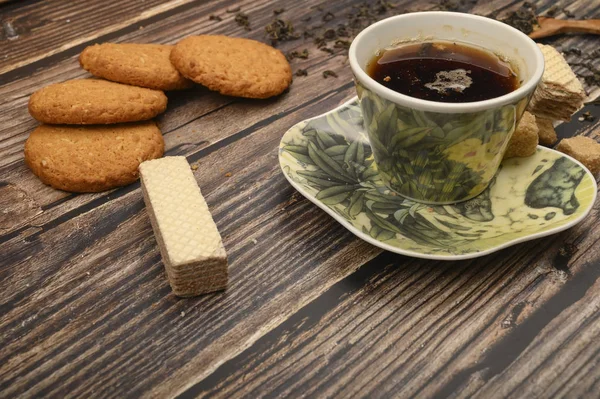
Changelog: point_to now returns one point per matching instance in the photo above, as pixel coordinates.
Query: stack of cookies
(96, 132)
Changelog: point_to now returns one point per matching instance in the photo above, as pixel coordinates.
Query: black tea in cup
(442, 71)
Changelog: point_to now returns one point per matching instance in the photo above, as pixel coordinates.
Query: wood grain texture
(310, 310)
(39, 30)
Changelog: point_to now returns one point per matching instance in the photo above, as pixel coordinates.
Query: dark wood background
(85, 307)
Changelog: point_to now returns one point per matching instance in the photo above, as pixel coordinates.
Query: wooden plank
(39, 30)
(15, 123)
(185, 133)
(184, 126)
(189, 18)
(285, 277)
(87, 310)
(403, 327)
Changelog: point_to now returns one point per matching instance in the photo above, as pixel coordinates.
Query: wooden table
(85, 307)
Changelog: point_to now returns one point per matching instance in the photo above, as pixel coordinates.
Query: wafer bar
(560, 94)
(190, 244)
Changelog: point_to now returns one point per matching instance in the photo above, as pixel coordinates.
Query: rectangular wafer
(560, 93)
(190, 244)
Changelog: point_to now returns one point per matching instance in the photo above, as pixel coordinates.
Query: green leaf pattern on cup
(436, 157)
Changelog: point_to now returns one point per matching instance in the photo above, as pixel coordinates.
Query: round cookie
(91, 158)
(145, 65)
(95, 101)
(233, 66)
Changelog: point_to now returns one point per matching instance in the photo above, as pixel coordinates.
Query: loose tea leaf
(572, 51)
(552, 11)
(278, 11)
(345, 44)
(328, 16)
(568, 13)
(593, 80)
(523, 19)
(330, 34)
(242, 20)
(296, 54)
(280, 30)
(342, 31)
(328, 73)
(587, 116)
(449, 5)
(215, 18)
(301, 72)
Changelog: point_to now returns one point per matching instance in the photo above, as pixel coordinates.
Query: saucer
(328, 160)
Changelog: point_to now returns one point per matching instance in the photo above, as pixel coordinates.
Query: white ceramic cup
(464, 143)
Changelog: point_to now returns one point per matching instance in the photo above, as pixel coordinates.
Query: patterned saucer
(328, 160)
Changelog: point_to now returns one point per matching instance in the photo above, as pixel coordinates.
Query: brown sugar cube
(524, 140)
(546, 132)
(584, 149)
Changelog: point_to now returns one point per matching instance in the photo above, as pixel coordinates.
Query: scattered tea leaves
(585, 60)
(327, 38)
(301, 72)
(242, 20)
(215, 18)
(278, 11)
(329, 73)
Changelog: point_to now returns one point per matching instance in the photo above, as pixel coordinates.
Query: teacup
(459, 146)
